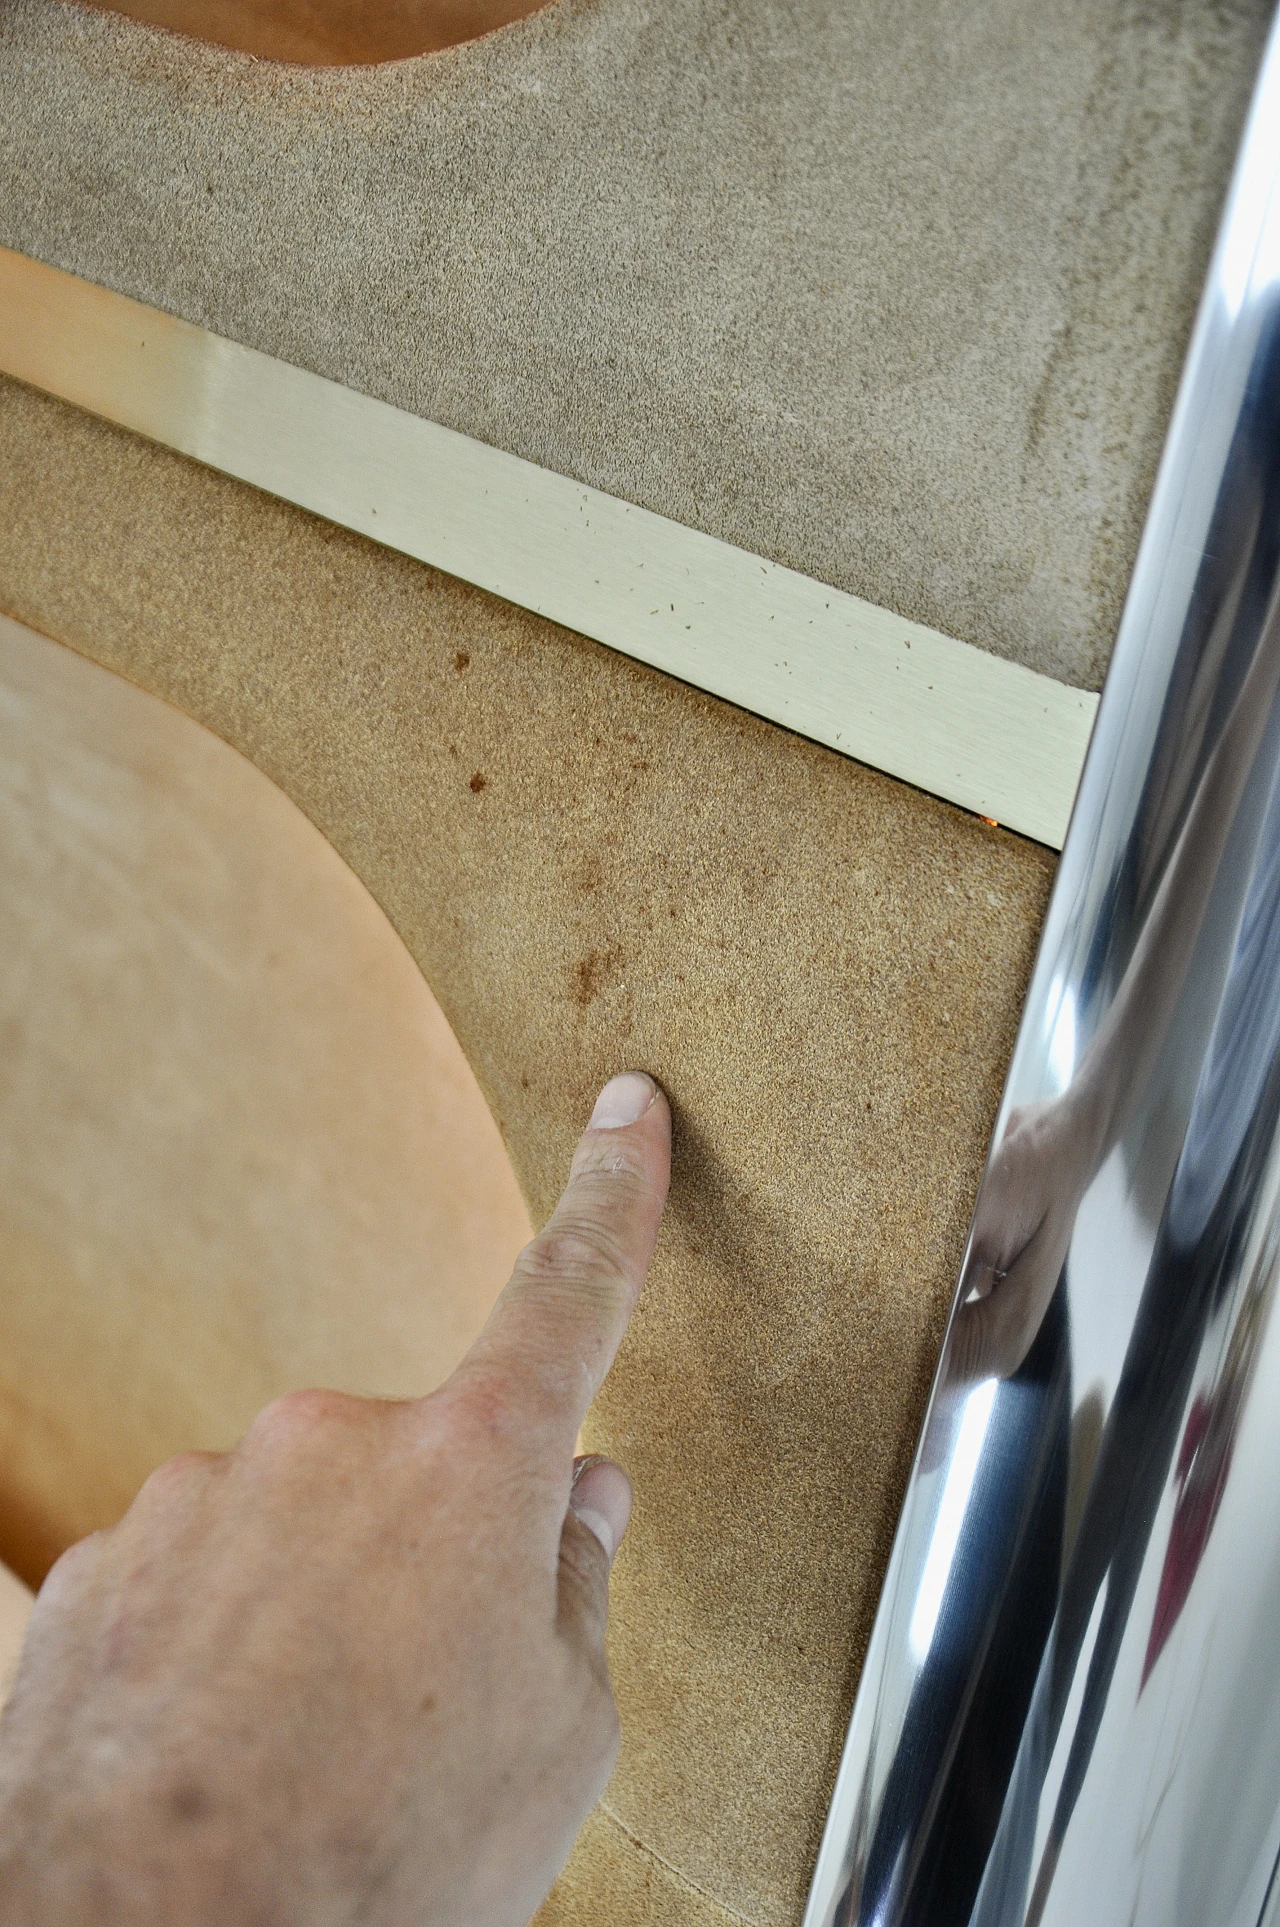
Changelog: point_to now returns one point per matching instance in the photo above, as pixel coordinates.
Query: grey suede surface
(897, 296)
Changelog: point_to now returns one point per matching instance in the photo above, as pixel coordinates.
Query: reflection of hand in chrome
(1050, 1151)
(1026, 1213)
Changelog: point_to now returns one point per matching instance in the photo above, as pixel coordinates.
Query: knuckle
(612, 1162)
(175, 1479)
(573, 1251)
(295, 1419)
(71, 1570)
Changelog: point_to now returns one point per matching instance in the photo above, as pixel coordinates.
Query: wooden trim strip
(966, 725)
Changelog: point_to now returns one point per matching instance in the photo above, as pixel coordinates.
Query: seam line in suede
(730, 1913)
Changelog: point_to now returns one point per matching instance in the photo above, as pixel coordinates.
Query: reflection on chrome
(956, 1490)
(1070, 1709)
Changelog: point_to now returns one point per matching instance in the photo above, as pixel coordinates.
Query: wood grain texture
(595, 865)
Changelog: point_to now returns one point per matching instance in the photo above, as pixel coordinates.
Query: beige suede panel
(896, 295)
(595, 865)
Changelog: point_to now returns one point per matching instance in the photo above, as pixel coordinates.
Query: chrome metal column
(1070, 1709)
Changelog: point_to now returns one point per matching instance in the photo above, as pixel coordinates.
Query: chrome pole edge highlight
(1070, 1707)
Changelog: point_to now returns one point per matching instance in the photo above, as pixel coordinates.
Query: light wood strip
(966, 725)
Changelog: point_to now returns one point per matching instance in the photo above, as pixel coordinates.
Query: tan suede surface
(595, 865)
(614, 1878)
(240, 1149)
(895, 295)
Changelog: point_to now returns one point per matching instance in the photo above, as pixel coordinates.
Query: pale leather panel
(594, 864)
(239, 1148)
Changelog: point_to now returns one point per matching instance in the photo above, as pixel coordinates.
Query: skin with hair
(354, 1669)
(330, 33)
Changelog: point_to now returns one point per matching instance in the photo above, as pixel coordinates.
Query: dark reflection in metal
(1070, 1710)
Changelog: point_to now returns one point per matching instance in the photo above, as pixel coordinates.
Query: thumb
(599, 1508)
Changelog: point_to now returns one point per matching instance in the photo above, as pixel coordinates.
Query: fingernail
(623, 1100)
(602, 1502)
(596, 1522)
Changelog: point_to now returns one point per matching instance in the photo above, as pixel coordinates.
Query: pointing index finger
(553, 1333)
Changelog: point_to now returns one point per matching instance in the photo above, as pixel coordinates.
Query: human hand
(354, 1669)
(1022, 1230)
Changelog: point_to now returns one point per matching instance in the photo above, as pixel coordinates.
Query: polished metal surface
(1070, 1710)
(990, 735)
